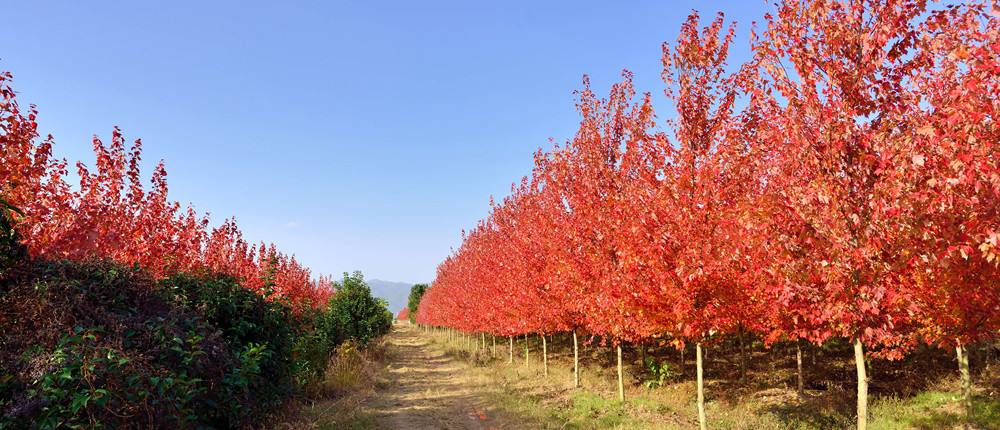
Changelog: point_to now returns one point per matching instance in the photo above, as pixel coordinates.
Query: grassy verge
(342, 399)
(763, 400)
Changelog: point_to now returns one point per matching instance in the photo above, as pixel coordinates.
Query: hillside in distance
(397, 293)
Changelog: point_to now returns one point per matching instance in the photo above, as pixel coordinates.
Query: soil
(429, 389)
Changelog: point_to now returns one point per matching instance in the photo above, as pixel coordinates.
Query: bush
(94, 345)
(313, 346)
(413, 302)
(354, 314)
(260, 333)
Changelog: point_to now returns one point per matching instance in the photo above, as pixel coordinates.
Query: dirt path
(428, 389)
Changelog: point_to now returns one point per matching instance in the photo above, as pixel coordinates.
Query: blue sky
(355, 135)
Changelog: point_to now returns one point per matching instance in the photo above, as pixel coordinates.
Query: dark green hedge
(99, 345)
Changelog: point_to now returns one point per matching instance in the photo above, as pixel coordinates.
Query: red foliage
(111, 215)
(844, 182)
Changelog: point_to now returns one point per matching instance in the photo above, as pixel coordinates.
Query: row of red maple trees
(111, 215)
(844, 181)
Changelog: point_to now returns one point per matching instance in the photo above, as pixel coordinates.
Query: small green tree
(353, 312)
(416, 293)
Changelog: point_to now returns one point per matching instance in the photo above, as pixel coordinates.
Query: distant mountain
(397, 293)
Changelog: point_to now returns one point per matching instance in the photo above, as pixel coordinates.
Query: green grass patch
(579, 410)
(934, 410)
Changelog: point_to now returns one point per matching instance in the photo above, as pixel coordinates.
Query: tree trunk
(681, 367)
(484, 341)
(743, 355)
(510, 360)
(859, 361)
(525, 350)
(798, 364)
(494, 338)
(576, 363)
(621, 379)
(963, 369)
(642, 352)
(545, 357)
(701, 387)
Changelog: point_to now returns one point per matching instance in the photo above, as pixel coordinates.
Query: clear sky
(356, 135)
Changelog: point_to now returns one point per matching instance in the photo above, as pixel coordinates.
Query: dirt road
(428, 389)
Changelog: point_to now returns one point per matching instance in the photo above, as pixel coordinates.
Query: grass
(764, 400)
(519, 396)
(341, 400)
(934, 410)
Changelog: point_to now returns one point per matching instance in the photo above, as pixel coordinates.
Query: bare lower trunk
(963, 369)
(702, 424)
(484, 341)
(525, 350)
(510, 360)
(798, 364)
(743, 355)
(576, 363)
(681, 367)
(494, 338)
(621, 379)
(545, 357)
(859, 361)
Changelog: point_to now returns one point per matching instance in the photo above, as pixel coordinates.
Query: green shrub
(314, 344)
(99, 345)
(260, 332)
(92, 385)
(413, 302)
(659, 371)
(354, 314)
(94, 345)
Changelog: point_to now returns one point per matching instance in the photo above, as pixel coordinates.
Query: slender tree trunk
(681, 367)
(510, 360)
(963, 370)
(576, 363)
(484, 341)
(621, 379)
(545, 357)
(859, 361)
(525, 350)
(743, 355)
(798, 364)
(701, 387)
(494, 338)
(642, 352)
